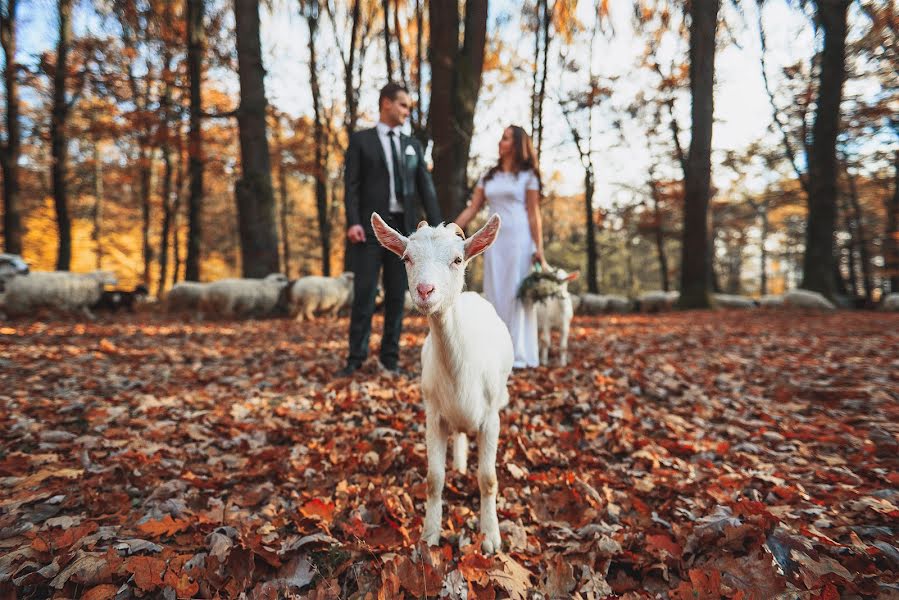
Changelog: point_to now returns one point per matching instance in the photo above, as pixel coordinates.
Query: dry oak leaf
(474, 567)
(164, 526)
(104, 591)
(317, 508)
(419, 579)
(88, 568)
(147, 571)
(703, 585)
(511, 577)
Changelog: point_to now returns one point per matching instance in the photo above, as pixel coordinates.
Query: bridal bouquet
(539, 285)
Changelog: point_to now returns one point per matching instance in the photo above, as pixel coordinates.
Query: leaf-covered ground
(693, 455)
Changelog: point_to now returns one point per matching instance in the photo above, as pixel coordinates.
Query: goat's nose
(424, 290)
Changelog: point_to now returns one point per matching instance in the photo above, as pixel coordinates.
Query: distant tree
(695, 256)
(59, 143)
(196, 42)
(253, 191)
(11, 147)
(455, 86)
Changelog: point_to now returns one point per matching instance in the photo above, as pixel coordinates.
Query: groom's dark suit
(368, 189)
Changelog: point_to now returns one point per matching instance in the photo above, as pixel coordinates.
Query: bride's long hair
(525, 157)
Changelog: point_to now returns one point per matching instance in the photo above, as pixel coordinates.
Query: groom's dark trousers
(367, 190)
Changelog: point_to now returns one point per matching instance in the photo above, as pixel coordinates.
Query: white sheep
(657, 300)
(555, 312)
(771, 301)
(734, 301)
(313, 294)
(466, 360)
(594, 304)
(185, 296)
(232, 298)
(891, 302)
(57, 290)
(800, 298)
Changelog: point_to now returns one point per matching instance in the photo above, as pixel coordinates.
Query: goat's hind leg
(436, 436)
(488, 439)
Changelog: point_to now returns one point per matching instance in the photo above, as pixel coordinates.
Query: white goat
(555, 313)
(466, 360)
(232, 298)
(185, 296)
(313, 294)
(771, 301)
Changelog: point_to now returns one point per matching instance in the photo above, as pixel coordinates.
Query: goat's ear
(573, 276)
(388, 237)
(483, 238)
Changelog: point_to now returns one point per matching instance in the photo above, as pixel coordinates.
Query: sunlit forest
(123, 123)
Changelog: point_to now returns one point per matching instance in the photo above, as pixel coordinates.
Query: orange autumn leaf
(147, 571)
(317, 508)
(164, 526)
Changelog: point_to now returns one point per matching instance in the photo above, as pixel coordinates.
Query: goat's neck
(445, 329)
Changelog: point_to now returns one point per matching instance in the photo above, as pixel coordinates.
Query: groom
(385, 172)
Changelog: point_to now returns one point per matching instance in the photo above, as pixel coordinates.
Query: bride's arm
(477, 201)
(536, 223)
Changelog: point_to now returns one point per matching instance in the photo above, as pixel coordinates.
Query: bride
(511, 188)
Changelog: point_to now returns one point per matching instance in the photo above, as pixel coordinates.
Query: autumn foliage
(697, 455)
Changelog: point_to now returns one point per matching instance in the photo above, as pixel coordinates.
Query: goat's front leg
(436, 436)
(545, 339)
(563, 343)
(488, 439)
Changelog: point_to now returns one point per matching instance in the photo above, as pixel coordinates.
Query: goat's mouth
(427, 305)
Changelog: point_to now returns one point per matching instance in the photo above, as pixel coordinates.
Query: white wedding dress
(508, 261)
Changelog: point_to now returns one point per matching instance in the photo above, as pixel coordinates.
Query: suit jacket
(367, 182)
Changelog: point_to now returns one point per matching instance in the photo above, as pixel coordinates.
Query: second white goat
(555, 312)
(465, 361)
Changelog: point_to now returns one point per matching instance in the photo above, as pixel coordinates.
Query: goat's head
(563, 277)
(435, 258)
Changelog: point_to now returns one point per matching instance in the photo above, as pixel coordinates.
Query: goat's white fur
(465, 361)
(185, 296)
(555, 313)
(891, 302)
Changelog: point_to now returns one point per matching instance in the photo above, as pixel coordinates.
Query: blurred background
(200, 139)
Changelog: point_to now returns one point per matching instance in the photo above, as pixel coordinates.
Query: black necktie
(397, 178)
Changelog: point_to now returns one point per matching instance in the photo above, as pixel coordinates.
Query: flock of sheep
(22, 292)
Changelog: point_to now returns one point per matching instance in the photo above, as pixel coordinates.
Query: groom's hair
(390, 91)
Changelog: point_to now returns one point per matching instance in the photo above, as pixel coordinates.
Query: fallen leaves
(681, 456)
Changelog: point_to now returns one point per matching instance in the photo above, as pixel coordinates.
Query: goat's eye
(457, 260)
(406, 259)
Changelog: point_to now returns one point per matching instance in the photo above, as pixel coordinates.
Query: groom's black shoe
(348, 370)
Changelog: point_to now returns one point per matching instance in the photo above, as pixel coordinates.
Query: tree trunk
(10, 151)
(817, 264)
(763, 252)
(660, 238)
(176, 214)
(145, 175)
(455, 85)
(419, 127)
(283, 197)
(891, 237)
(385, 4)
(196, 40)
(58, 139)
(168, 174)
(400, 52)
(592, 257)
(320, 142)
(541, 91)
(350, 93)
(255, 198)
(861, 240)
(695, 259)
(97, 212)
(850, 255)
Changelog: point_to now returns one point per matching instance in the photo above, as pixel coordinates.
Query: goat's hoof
(491, 544)
(431, 539)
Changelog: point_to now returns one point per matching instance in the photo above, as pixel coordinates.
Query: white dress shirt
(383, 130)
